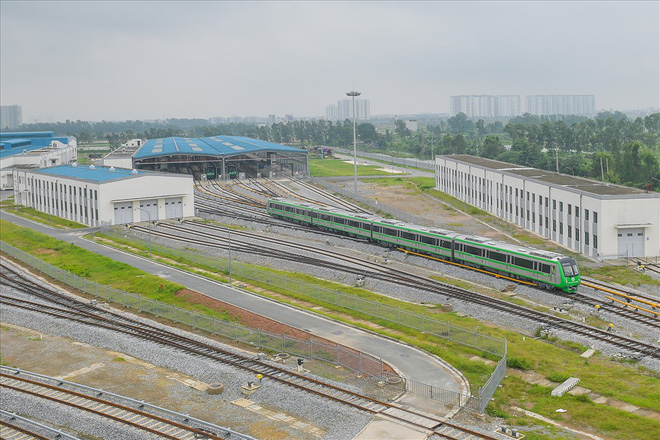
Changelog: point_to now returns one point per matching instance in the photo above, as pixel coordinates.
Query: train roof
(549, 255)
(539, 253)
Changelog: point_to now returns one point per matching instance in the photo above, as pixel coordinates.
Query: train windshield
(570, 267)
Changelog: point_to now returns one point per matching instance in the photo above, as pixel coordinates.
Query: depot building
(216, 157)
(94, 195)
(597, 219)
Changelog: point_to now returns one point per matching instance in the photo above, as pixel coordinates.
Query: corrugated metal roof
(93, 173)
(209, 146)
(16, 146)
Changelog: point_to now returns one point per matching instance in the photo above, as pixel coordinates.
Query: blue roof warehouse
(216, 157)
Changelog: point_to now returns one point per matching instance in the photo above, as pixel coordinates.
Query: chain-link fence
(256, 275)
(401, 161)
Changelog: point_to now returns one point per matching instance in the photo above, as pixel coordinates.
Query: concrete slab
(381, 429)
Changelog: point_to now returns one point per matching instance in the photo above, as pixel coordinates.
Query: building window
(577, 212)
(586, 238)
(540, 221)
(561, 228)
(533, 198)
(595, 217)
(595, 241)
(561, 206)
(619, 235)
(554, 204)
(570, 209)
(577, 234)
(586, 215)
(554, 226)
(570, 232)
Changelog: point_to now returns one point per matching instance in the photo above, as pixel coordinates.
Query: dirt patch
(44, 251)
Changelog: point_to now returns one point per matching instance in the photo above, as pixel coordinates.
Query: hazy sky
(94, 60)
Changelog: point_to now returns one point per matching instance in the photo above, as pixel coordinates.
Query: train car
(544, 268)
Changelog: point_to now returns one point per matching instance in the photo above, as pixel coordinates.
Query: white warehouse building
(597, 219)
(104, 195)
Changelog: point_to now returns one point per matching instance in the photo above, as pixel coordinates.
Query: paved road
(412, 363)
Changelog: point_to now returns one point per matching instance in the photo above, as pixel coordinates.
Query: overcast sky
(93, 60)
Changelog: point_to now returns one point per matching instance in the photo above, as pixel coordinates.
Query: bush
(519, 363)
(557, 377)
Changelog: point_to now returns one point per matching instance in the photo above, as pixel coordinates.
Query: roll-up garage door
(174, 208)
(151, 206)
(631, 242)
(123, 213)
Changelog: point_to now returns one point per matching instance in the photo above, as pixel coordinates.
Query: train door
(123, 213)
(174, 208)
(631, 242)
(150, 206)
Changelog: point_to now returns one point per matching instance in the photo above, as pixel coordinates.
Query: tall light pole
(354, 93)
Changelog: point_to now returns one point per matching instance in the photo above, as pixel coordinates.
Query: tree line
(609, 146)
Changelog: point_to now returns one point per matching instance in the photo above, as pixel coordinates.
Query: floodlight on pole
(354, 93)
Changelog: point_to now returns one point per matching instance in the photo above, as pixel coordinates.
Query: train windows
(498, 256)
(388, 231)
(522, 262)
(408, 235)
(473, 250)
(377, 229)
(353, 223)
(545, 268)
(428, 240)
(339, 220)
(445, 244)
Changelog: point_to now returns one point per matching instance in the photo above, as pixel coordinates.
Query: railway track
(624, 302)
(137, 415)
(338, 201)
(15, 427)
(63, 306)
(366, 268)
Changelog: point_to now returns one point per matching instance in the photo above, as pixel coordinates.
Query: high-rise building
(561, 105)
(11, 116)
(485, 105)
(344, 110)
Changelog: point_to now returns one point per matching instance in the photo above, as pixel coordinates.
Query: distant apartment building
(485, 105)
(561, 105)
(11, 116)
(344, 110)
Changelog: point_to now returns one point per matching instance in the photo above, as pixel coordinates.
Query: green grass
(581, 412)
(8, 202)
(46, 219)
(611, 274)
(96, 267)
(336, 168)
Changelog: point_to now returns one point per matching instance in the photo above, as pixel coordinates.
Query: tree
(401, 129)
(492, 147)
(367, 133)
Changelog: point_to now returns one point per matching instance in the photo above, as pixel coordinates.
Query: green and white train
(546, 269)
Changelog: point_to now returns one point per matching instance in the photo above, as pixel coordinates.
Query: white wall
(556, 223)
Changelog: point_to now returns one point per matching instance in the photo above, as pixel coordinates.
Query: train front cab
(570, 275)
